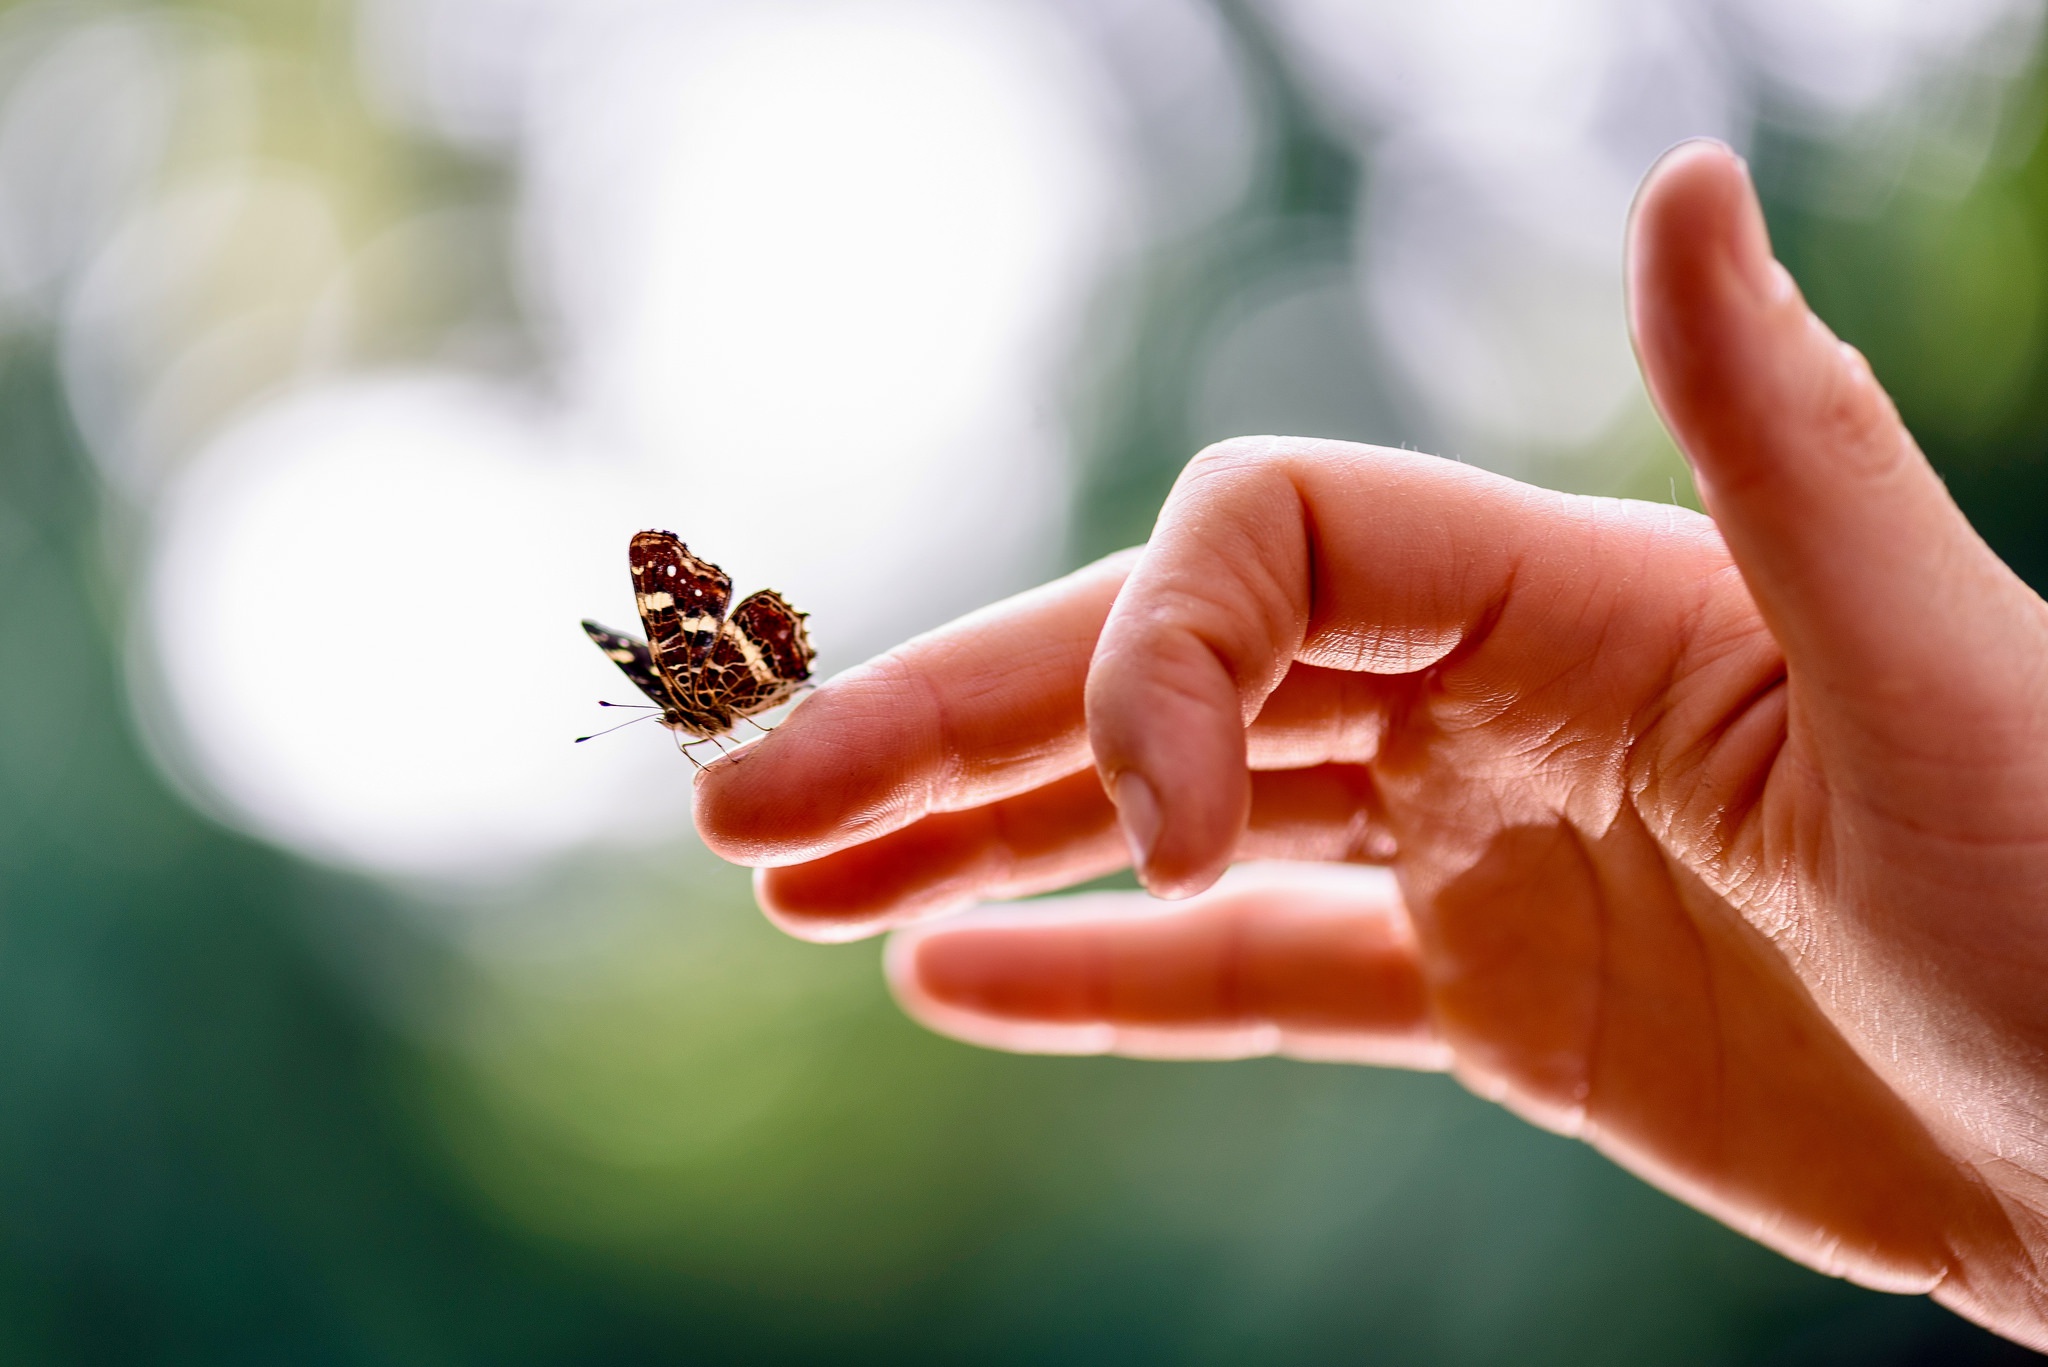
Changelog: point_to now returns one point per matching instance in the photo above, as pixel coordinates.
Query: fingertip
(1725, 341)
(980, 965)
(1169, 870)
(1170, 747)
(823, 930)
(1696, 225)
(962, 980)
(899, 965)
(785, 898)
(1830, 510)
(1197, 842)
(843, 763)
(903, 970)
(748, 812)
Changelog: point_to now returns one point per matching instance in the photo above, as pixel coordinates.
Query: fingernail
(1137, 810)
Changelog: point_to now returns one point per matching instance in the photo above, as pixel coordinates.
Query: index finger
(1275, 551)
(982, 709)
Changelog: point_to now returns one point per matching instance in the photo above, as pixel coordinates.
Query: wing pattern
(681, 599)
(762, 657)
(634, 659)
(705, 670)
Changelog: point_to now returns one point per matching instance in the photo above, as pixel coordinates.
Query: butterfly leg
(716, 742)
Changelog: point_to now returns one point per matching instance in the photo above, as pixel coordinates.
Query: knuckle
(1855, 416)
(1235, 453)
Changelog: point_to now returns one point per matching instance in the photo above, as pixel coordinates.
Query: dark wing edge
(763, 656)
(634, 660)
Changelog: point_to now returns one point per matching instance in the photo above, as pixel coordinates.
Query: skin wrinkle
(1641, 576)
(1597, 799)
(1073, 653)
(1717, 1035)
(1003, 846)
(1603, 981)
(1705, 641)
(1695, 753)
(1958, 839)
(1860, 414)
(1762, 893)
(947, 777)
(1671, 697)
(1280, 618)
(1180, 683)
(909, 800)
(1480, 632)
(1251, 698)
(1737, 810)
(1313, 553)
(1604, 627)
(947, 781)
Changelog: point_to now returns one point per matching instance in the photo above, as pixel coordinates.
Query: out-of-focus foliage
(1947, 294)
(256, 1111)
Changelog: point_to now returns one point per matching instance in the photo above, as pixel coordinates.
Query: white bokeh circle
(363, 608)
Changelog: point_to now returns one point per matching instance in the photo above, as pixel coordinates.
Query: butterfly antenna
(609, 729)
(602, 703)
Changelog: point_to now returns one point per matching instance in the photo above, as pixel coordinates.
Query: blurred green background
(256, 1108)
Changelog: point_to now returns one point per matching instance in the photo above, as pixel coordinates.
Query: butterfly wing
(682, 601)
(635, 660)
(762, 657)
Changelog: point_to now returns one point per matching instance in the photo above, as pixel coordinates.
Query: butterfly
(703, 669)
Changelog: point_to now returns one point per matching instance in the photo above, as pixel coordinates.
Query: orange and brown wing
(762, 657)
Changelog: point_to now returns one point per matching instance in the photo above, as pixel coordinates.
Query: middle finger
(1052, 837)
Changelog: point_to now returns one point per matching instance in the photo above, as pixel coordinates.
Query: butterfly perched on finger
(704, 668)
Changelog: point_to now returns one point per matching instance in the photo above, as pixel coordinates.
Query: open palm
(1722, 844)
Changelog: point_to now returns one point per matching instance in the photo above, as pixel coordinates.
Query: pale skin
(1720, 843)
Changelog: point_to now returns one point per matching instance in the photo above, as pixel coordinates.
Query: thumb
(1868, 573)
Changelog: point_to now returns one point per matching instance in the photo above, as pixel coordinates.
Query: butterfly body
(704, 668)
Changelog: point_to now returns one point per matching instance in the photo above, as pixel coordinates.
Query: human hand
(1722, 844)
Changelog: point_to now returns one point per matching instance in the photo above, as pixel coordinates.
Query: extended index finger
(982, 709)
